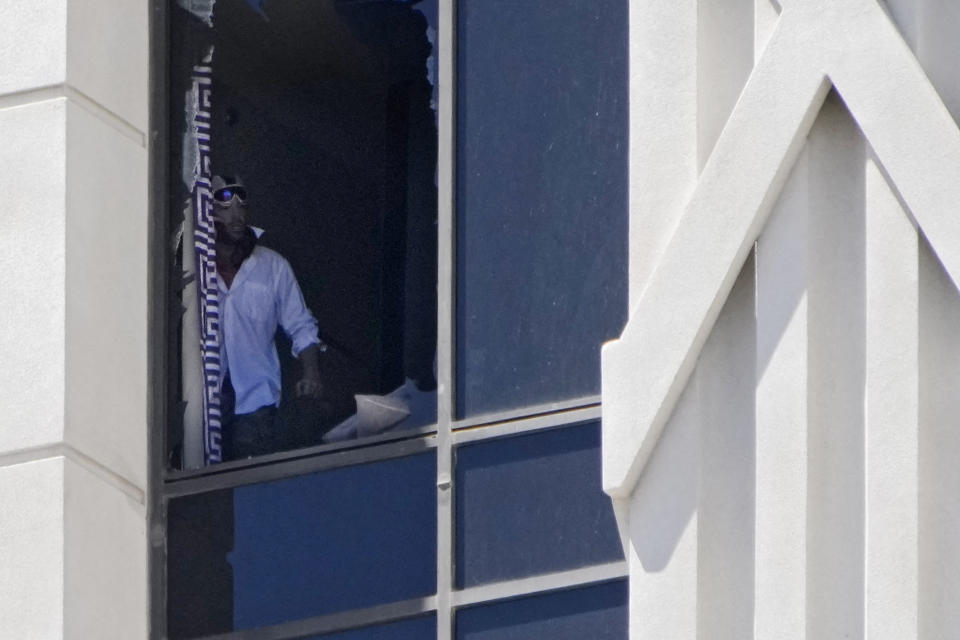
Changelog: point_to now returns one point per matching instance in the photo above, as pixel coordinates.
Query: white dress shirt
(264, 294)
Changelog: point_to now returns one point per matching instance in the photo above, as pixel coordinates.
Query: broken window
(446, 180)
(324, 114)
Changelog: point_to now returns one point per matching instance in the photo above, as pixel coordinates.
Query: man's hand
(309, 387)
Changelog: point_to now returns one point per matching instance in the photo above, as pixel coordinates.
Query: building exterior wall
(791, 229)
(777, 420)
(73, 174)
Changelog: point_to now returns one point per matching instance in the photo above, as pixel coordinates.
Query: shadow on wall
(665, 500)
(704, 462)
(692, 515)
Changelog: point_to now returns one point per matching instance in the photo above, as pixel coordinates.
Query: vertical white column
(939, 501)
(73, 120)
(835, 372)
(663, 127)
(930, 27)
(725, 514)
(107, 231)
(892, 397)
(724, 60)
(663, 171)
(32, 273)
(765, 15)
(781, 415)
(663, 530)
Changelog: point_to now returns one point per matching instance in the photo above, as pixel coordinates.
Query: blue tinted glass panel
(597, 613)
(532, 504)
(301, 547)
(541, 198)
(417, 629)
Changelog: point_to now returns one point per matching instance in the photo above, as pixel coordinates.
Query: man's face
(231, 213)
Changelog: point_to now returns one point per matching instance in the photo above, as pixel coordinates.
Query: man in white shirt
(258, 293)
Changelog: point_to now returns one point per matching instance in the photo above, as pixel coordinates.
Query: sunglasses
(225, 194)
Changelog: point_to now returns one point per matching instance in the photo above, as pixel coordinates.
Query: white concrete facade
(73, 278)
(778, 413)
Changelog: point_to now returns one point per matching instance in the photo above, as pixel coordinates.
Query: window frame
(444, 436)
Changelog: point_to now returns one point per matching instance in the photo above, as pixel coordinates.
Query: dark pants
(247, 434)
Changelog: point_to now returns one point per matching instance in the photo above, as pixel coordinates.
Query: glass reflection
(541, 198)
(301, 547)
(598, 613)
(532, 504)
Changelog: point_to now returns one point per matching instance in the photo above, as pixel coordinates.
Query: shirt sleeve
(295, 319)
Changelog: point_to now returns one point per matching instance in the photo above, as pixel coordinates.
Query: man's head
(229, 207)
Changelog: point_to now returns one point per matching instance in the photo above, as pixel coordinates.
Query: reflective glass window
(597, 613)
(532, 504)
(301, 547)
(541, 198)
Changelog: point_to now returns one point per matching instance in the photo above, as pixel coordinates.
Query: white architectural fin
(849, 44)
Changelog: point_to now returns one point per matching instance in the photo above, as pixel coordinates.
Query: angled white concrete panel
(726, 211)
(855, 506)
(905, 122)
(902, 118)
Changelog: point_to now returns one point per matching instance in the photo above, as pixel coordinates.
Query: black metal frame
(159, 265)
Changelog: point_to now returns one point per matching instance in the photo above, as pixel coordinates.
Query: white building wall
(73, 278)
(779, 413)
